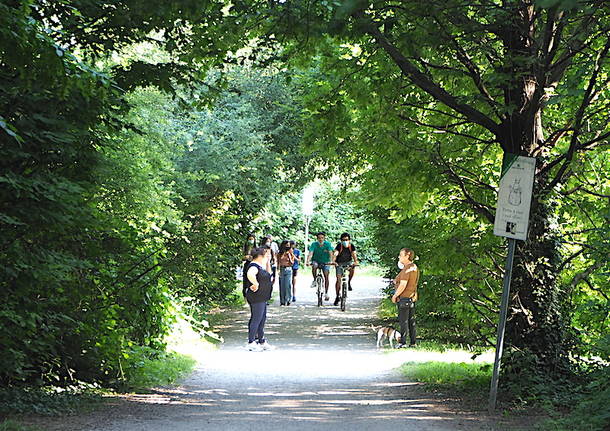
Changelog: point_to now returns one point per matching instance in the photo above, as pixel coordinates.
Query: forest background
(142, 141)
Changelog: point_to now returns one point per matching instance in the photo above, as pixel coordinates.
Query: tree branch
(473, 70)
(480, 208)
(443, 128)
(424, 82)
(586, 273)
(579, 115)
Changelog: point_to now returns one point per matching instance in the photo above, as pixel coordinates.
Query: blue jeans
(285, 285)
(256, 325)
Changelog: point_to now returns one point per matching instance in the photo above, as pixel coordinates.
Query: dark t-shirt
(345, 253)
(265, 287)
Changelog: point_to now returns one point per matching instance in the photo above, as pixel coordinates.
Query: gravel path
(325, 374)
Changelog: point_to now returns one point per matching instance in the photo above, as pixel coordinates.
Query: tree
(492, 77)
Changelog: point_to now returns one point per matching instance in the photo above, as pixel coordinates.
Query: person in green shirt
(320, 256)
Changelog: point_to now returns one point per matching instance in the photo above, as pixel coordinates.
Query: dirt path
(325, 375)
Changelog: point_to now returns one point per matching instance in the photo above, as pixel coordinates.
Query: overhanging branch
(422, 81)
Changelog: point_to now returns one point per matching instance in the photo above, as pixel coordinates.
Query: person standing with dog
(257, 294)
(405, 295)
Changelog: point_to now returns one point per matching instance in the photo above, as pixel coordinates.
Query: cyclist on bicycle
(345, 257)
(320, 255)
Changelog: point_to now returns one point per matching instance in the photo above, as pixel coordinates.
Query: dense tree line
(115, 201)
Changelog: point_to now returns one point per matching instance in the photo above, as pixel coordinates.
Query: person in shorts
(320, 256)
(346, 259)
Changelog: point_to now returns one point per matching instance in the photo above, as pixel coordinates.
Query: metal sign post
(512, 219)
(307, 212)
(493, 393)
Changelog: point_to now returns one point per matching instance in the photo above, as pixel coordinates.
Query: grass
(460, 376)
(147, 368)
(143, 368)
(565, 406)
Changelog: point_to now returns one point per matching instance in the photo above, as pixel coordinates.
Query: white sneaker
(254, 347)
(326, 298)
(313, 284)
(266, 346)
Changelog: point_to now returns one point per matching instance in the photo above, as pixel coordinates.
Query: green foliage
(238, 155)
(334, 213)
(115, 197)
(588, 410)
(145, 368)
(104, 214)
(49, 400)
(418, 107)
(472, 377)
(11, 425)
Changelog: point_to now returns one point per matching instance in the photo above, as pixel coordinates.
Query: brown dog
(387, 332)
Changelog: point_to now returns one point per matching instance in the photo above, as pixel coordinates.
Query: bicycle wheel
(320, 284)
(343, 293)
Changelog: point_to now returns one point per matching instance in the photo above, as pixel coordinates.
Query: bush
(10, 425)
(589, 406)
(48, 400)
(145, 367)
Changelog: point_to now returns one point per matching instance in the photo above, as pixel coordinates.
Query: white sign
(515, 196)
(308, 201)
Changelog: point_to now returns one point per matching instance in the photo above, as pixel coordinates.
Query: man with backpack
(345, 257)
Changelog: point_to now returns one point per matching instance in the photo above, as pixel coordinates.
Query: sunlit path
(326, 373)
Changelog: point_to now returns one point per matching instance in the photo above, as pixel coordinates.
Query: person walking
(405, 295)
(285, 260)
(259, 291)
(295, 268)
(269, 242)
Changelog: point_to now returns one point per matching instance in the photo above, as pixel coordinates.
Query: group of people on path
(284, 262)
(266, 260)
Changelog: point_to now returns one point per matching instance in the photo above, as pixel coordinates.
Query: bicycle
(319, 282)
(344, 283)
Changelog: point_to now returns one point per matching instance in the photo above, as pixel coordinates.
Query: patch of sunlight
(185, 340)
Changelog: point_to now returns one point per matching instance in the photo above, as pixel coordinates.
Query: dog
(387, 332)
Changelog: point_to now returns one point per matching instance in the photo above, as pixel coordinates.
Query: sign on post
(514, 196)
(308, 198)
(512, 220)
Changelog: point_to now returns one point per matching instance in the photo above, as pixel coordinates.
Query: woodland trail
(326, 374)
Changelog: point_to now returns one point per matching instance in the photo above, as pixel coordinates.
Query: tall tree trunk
(537, 326)
(536, 334)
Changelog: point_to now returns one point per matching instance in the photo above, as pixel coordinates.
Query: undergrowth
(147, 368)
(460, 376)
(574, 406)
(11, 425)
